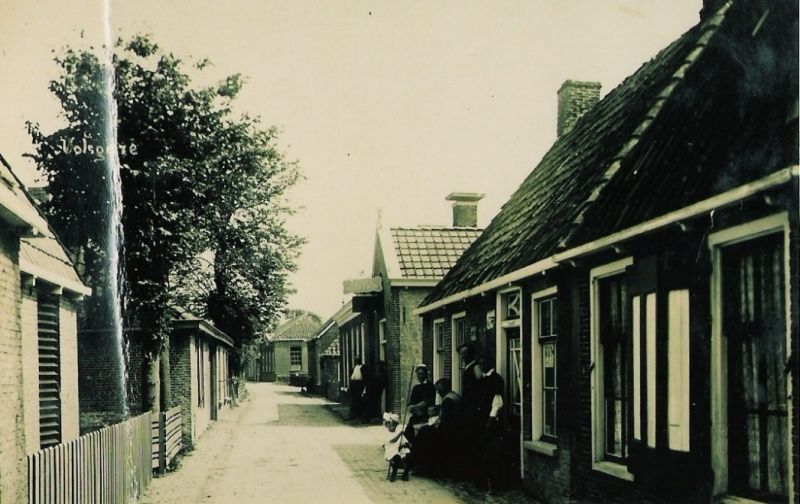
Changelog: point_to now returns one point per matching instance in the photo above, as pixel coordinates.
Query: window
(611, 363)
(438, 349)
(513, 306)
(614, 331)
(459, 337)
(295, 358)
(544, 352)
(49, 336)
(547, 332)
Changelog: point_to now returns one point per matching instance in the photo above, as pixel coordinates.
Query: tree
(193, 176)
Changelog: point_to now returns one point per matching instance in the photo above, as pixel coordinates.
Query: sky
(388, 106)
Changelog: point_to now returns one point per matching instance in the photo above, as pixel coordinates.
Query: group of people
(462, 435)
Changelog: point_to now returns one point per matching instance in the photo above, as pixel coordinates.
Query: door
(514, 397)
(754, 328)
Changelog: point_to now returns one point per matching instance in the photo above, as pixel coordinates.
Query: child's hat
(391, 417)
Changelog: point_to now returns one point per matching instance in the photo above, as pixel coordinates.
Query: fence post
(162, 443)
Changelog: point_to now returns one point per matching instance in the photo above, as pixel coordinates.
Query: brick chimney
(574, 99)
(465, 208)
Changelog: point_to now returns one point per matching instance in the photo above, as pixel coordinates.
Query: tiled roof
(41, 254)
(428, 252)
(332, 350)
(683, 127)
(300, 328)
(46, 258)
(16, 206)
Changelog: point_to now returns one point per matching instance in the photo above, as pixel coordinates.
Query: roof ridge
(707, 30)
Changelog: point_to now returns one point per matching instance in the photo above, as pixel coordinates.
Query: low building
(38, 292)
(407, 263)
(200, 373)
(289, 343)
(639, 290)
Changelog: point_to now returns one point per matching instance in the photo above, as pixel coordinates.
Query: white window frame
(599, 463)
(382, 338)
(719, 352)
(455, 357)
(292, 365)
(537, 444)
(437, 323)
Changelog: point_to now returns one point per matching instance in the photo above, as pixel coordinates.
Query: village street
(283, 446)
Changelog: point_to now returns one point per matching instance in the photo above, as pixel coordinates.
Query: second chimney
(465, 208)
(575, 98)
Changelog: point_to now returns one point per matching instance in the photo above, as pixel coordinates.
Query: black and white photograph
(398, 251)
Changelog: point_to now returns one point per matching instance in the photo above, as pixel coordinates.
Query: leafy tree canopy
(203, 192)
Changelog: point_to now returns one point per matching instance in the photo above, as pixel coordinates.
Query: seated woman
(428, 443)
(452, 453)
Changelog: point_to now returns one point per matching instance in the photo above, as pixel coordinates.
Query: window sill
(732, 499)
(542, 447)
(613, 469)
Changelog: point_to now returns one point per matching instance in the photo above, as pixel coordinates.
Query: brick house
(199, 356)
(289, 344)
(39, 290)
(407, 263)
(330, 371)
(639, 290)
(322, 341)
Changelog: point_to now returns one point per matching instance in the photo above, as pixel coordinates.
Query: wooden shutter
(49, 370)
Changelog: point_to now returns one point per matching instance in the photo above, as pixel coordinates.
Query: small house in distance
(289, 344)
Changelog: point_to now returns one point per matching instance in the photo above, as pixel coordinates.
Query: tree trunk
(153, 397)
(166, 379)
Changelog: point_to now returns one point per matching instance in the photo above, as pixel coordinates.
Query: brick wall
(181, 353)
(100, 393)
(12, 427)
(403, 342)
(330, 378)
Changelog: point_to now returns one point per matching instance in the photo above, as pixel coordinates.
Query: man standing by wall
(357, 384)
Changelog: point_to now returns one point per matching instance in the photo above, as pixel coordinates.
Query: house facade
(407, 263)
(289, 344)
(200, 373)
(639, 290)
(319, 344)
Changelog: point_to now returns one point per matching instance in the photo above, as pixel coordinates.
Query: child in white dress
(397, 449)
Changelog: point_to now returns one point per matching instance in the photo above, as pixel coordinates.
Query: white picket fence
(110, 466)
